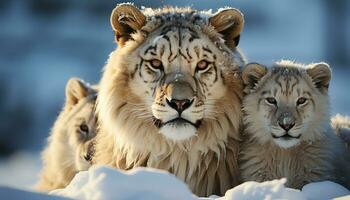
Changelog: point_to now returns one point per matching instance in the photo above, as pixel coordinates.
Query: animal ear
(321, 75)
(125, 20)
(76, 90)
(252, 73)
(229, 23)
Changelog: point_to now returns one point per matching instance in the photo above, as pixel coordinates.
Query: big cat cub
(286, 126)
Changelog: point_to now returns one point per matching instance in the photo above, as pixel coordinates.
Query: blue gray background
(45, 42)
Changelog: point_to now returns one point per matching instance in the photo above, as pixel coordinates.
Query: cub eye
(301, 101)
(271, 100)
(202, 65)
(84, 128)
(156, 64)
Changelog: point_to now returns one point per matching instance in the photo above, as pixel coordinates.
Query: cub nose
(179, 105)
(287, 126)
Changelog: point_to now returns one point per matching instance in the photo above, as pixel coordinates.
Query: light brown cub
(70, 144)
(286, 119)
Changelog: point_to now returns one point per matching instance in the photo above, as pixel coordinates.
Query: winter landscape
(44, 43)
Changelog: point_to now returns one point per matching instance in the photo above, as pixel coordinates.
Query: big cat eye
(84, 128)
(202, 65)
(301, 101)
(271, 100)
(156, 64)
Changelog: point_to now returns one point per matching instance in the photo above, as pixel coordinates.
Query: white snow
(141, 183)
(324, 190)
(20, 170)
(145, 183)
(13, 194)
(267, 190)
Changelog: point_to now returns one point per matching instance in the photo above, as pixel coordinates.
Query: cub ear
(229, 23)
(321, 75)
(125, 20)
(252, 73)
(76, 90)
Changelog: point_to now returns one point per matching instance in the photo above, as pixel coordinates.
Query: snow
(11, 193)
(141, 183)
(144, 183)
(101, 182)
(324, 190)
(20, 170)
(267, 190)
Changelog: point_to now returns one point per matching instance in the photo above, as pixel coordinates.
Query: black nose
(179, 105)
(286, 126)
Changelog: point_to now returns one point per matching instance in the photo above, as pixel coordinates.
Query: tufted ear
(229, 23)
(321, 75)
(125, 20)
(252, 73)
(76, 90)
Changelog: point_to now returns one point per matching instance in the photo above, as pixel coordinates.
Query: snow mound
(144, 183)
(140, 183)
(267, 190)
(324, 190)
(14, 194)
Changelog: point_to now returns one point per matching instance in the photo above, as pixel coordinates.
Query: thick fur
(132, 108)
(307, 152)
(341, 125)
(70, 145)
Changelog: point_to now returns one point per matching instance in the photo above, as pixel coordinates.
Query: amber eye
(202, 65)
(301, 101)
(271, 100)
(156, 64)
(84, 128)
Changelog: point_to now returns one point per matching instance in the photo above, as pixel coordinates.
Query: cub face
(81, 120)
(178, 70)
(287, 103)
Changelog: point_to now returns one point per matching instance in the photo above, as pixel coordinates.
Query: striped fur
(160, 58)
(308, 151)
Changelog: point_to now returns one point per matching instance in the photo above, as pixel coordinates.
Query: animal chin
(178, 129)
(286, 136)
(286, 141)
(177, 122)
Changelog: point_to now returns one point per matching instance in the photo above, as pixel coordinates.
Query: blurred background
(45, 42)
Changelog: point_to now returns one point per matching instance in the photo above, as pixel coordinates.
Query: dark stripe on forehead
(193, 36)
(207, 50)
(152, 47)
(166, 29)
(166, 38)
(307, 93)
(172, 58)
(183, 55)
(188, 53)
(180, 38)
(287, 81)
(265, 92)
(295, 83)
(278, 81)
